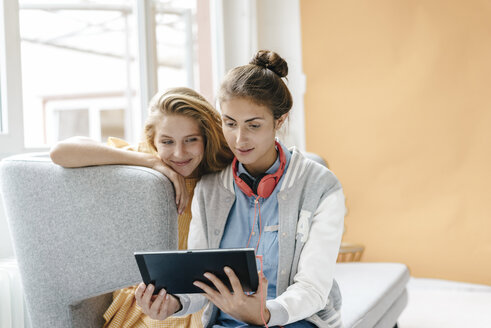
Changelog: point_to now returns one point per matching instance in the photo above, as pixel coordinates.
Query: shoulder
(118, 143)
(217, 181)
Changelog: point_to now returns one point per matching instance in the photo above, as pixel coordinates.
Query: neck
(264, 164)
(193, 175)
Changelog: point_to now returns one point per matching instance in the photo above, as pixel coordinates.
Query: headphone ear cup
(257, 183)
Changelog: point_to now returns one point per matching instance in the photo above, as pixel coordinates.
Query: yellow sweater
(123, 311)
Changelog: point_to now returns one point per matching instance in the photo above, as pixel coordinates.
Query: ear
(279, 121)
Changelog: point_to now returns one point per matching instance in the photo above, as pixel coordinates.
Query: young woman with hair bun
(288, 207)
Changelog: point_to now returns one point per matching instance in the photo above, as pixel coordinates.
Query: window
(80, 72)
(77, 62)
(175, 37)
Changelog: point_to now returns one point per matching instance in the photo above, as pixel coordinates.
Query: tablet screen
(177, 270)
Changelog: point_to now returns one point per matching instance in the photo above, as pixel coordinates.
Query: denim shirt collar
(272, 169)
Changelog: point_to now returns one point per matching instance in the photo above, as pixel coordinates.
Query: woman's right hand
(182, 196)
(157, 307)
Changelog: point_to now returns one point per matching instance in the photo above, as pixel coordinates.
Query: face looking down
(180, 143)
(250, 131)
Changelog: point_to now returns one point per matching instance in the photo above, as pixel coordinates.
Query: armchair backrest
(75, 230)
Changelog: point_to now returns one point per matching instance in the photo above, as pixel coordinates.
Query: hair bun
(272, 61)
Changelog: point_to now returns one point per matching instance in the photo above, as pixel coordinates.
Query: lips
(183, 163)
(244, 151)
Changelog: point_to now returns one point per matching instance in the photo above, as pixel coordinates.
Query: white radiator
(13, 313)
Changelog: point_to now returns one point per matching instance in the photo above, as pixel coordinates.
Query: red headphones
(264, 184)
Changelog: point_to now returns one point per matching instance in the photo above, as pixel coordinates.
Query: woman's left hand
(246, 308)
(182, 196)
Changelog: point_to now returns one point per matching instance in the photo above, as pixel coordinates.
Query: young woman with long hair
(183, 140)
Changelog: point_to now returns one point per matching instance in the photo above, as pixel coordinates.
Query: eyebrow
(190, 135)
(248, 120)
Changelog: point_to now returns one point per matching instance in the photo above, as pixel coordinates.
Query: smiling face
(179, 143)
(250, 131)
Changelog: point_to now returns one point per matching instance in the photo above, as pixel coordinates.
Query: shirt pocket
(273, 228)
(269, 239)
(270, 250)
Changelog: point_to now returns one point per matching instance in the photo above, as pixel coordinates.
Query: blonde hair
(189, 103)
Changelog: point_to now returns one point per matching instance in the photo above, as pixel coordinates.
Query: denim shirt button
(217, 232)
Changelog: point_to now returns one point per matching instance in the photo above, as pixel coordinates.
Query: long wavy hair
(189, 103)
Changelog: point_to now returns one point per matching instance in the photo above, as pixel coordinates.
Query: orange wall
(399, 102)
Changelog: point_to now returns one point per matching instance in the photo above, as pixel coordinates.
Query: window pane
(176, 35)
(78, 62)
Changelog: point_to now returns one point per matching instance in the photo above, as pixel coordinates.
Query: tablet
(177, 270)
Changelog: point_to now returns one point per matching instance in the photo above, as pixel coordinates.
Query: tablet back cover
(177, 270)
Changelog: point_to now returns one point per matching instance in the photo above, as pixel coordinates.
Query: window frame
(12, 135)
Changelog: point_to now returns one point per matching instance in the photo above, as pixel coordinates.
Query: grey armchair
(75, 231)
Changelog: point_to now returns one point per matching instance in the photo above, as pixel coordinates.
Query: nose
(179, 150)
(241, 137)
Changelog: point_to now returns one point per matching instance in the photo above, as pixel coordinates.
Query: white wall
(278, 29)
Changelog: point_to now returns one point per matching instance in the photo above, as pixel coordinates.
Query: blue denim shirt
(238, 229)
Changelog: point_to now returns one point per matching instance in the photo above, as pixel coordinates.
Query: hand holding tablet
(176, 271)
(157, 307)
